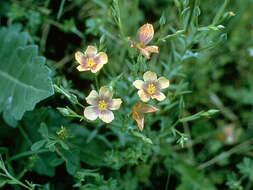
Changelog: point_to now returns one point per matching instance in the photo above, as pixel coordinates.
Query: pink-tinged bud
(146, 33)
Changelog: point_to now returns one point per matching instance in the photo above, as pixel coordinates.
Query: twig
(239, 148)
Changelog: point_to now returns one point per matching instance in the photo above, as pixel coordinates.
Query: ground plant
(126, 95)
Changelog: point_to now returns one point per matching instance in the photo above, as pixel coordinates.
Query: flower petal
(92, 98)
(138, 84)
(101, 58)
(144, 52)
(91, 112)
(146, 108)
(82, 68)
(106, 116)
(91, 51)
(159, 96)
(80, 58)
(153, 49)
(96, 68)
(163, 83)
(149, 76)
(146, 33)
(115, 104)
(133, 45)
(105, 92)
(139, 119)
(143, 96)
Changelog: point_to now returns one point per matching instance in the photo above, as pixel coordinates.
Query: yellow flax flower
(138, 113)
(101, 105)
(91, 60)
(151, 86)
(146, 33)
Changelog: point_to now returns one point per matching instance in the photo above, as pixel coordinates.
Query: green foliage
(197, 140)
(25, 80)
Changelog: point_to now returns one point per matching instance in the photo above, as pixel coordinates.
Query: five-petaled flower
(151, 86)
(101, 105)
(146, 33)
(138, 113)
(91, 60)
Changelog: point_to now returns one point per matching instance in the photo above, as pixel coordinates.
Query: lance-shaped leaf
(138, 113)
(24, 78)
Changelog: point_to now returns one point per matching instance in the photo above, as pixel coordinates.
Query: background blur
(212, 70)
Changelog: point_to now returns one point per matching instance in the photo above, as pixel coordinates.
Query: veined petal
(105, 92)
(159, 96)
(115, 104)
(82, 68)
(91, 112)
(143, 96)
(139, 119)
(79, 56)
(133, 45)
(153, 49)
(146, 108)
(149, 76)
(106, 116)
(144, 52)
(138, 84)
(91, 51)
(163, 83)
(92, 98)
(146, 33)
(101, 58)
(96, 68)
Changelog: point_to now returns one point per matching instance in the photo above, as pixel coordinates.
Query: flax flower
(101, 105)
(91, 60)
(138, 113)
(146, 33)
(151, 86)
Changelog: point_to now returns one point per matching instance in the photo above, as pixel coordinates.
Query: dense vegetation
(198, 137)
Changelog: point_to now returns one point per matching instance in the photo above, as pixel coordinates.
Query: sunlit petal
(105, 92)
(139, 119)
(96, 68)
(138, 84)
(93, 98)
(101, 58)
(91, 112)
(143, 96)
(115, 104)
(82, 68)
(106, 116)
(153, 49)
(79, 56)
(146, 33)
(163, 83)
(145, 53)
(91, 51)
(159, 96)
(149, 76)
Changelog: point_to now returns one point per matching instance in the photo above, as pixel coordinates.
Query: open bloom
(91, 60)
(138, 113)
(146, 33)
(101, 105)
(151, 86)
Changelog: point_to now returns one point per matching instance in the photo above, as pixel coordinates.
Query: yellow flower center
(140, 45)
(90, 62)
(102, 105)
(151, 89)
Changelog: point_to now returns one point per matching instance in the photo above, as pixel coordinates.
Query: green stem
(96, 81)
(220, 13)
(28, 153)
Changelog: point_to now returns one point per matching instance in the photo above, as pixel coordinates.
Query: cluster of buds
(101, 103)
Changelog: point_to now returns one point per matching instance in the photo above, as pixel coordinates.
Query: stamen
(151, 89)
(102, 105)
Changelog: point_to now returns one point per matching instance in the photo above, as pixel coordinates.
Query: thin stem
(96, 81)
(28, 153)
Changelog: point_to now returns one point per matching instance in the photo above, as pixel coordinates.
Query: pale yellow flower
(91, 60)
(101, 105)
(138, 113)
(151, 86)
(146, 33)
